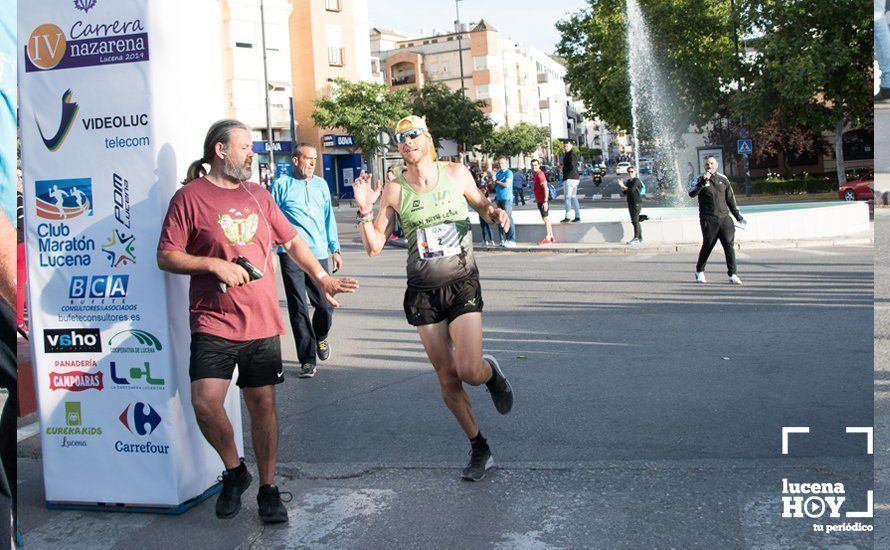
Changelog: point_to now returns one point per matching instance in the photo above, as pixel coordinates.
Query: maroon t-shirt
(540, 182)
(206, 220)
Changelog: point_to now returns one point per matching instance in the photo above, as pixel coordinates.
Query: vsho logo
(64, 199)
(121, 200)
(145, 342)
(136, 377)
(71, 340)
(56, 247)
(812, 500)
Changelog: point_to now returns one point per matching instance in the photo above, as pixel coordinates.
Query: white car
(622, 168)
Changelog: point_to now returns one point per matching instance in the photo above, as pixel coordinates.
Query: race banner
(115, 98)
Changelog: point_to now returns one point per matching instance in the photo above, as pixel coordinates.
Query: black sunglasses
(413, 134)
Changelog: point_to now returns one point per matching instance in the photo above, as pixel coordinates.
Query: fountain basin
(768, 222)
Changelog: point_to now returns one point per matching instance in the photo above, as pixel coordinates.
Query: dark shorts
(446, 303)
(541, 209)
(259, 361)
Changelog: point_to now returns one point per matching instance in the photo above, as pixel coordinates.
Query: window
(335, 57)
(858, 144)
(243, 33)
(482, 92)
(480, 62)
(335, 46)
(243, 45)
(444, 67)
(332, 5)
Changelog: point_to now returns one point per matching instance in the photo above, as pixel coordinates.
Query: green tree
(451, 115)
(362, 109)
(693, 37)
(811, 67)
(513, 141)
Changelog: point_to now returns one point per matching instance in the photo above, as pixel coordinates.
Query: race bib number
(439, 241)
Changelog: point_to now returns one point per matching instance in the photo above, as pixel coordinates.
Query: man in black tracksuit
(715, 202)
(632, 187)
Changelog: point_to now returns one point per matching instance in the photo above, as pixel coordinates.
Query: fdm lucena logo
(86, 43)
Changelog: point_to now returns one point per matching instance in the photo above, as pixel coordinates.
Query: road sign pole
(747, 168)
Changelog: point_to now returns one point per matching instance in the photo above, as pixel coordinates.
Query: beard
(236, 173)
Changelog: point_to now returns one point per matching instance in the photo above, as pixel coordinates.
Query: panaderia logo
(69, 114)
(76, 380)
(86, 45)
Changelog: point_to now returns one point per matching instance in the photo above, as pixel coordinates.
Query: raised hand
(365, 192)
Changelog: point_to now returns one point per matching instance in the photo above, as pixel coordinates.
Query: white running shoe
(700, 277)
(509, 244)
(734, 280)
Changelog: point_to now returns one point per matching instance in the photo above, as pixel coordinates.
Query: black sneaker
(576, 220)
(307, 371)
(324, 349)
(480, 461)
(229, 501)
(500, 389)
(270, 505)
(564, 220)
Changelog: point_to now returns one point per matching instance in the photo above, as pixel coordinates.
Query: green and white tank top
(440, 242)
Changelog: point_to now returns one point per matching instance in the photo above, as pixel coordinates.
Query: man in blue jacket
(306, 202)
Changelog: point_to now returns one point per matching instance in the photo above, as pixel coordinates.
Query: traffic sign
(745, 146)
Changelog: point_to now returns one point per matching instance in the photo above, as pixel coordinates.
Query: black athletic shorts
(542, 210)
(259, 361)
(445, 303)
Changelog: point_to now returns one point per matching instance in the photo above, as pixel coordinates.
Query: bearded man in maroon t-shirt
(215, 219)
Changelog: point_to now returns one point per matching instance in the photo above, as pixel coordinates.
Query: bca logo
(98, 286)
(140, 418)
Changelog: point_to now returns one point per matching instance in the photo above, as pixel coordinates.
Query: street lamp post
(269, 143)
(460, 48)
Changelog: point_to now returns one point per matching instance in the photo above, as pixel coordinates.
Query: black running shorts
(445, 303)
(542, 208)
(259, 361)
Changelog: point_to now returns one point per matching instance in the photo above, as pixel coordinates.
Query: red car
(860, 189)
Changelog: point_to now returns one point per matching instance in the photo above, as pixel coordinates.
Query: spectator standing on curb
(571, 179)
(633, 188)
(504, 199)
(518, 188)
(305, 201)
(542, 199)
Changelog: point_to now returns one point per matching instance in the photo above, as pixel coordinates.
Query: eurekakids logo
(86, 44)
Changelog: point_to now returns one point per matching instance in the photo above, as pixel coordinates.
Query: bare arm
(375, 233)
(462, 179)
(182, 263)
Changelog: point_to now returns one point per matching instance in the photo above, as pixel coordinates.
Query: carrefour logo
(140, 418)
(64, 199)
(69, 113)
(86, 45)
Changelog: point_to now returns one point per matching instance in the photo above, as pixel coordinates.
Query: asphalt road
(648, 414)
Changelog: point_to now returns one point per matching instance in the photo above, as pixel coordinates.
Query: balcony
(404, 80)
(543, 78)
(544, 104)
(335, 57)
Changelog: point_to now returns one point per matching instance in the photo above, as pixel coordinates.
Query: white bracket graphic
(791, 430)
(868, 513)
(869, 434)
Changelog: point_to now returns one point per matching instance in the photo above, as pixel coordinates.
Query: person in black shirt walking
(633, 188)
(715, 202)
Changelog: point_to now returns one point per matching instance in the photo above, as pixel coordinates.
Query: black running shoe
(576, 220)
(307, 371)
(229, 502)
(499, 387)
(270, 505)
(324, 349)
(480, 461)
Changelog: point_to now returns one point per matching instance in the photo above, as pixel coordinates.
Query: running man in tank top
(444, 298)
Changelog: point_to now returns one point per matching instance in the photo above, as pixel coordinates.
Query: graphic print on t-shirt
(239, 228)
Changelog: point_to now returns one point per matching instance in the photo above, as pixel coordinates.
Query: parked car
(859, 189)
(621, 168)
(645, 166)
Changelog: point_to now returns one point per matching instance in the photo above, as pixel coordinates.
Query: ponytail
(218, 133)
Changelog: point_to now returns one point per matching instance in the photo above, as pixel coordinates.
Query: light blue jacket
(307, 205)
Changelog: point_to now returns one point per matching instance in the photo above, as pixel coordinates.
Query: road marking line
(816, 252)
(26, 432)
(641, 257)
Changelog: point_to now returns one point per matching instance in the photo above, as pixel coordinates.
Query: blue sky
(526, 21)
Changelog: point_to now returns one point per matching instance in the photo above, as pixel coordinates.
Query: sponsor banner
(110, 117)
